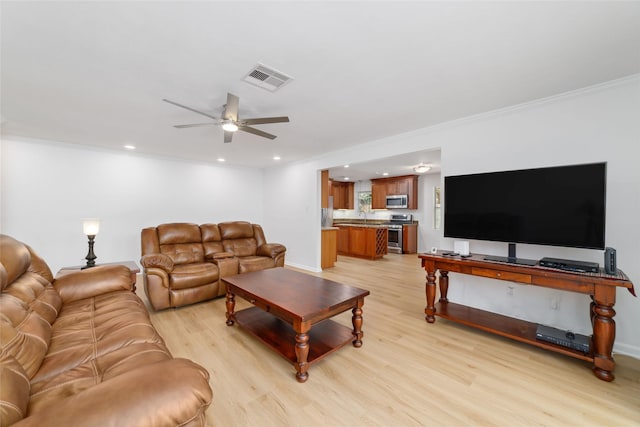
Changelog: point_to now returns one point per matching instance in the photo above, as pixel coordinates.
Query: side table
(131, 265)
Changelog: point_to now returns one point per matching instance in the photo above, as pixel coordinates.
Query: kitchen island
(362, 240)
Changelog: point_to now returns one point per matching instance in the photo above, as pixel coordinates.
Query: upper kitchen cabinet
(383, 187)
(342, 193)
(378, 194)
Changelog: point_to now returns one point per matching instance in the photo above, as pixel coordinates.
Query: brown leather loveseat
(183, 262)
(80, 350)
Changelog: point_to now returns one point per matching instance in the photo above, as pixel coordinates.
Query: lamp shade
(91, 226)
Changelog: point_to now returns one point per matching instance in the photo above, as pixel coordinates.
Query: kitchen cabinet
(362, 241)
(329, 247)
(358, 241)
(410, 238)
(343, 240)
(378, 195)
(342, 193)
(383, 187)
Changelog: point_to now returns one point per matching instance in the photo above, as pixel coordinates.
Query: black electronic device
(556, 206)
(564, 338)
(610, 262)
(570, 265)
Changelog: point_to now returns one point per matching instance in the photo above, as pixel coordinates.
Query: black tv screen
(557, 206)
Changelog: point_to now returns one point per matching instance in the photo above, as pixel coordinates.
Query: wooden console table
(600, 287)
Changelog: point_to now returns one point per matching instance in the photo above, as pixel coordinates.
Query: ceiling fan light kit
(230, 121)
(229, 126)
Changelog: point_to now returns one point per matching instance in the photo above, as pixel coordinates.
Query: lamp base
(91, 257)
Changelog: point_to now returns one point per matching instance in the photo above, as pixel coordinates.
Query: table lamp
(90, 227)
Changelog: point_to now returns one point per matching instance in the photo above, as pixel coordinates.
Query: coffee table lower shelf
(519, 330)
(324, 337)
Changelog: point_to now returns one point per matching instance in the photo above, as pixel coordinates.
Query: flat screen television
(556, 206)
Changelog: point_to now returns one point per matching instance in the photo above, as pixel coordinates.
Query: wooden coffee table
(287, 305)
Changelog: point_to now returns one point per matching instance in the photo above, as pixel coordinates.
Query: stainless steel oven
(394, 229)
(394, 241)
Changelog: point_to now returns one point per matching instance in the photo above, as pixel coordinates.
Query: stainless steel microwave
(397, 201)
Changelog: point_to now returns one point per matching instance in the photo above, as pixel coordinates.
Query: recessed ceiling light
(276, 157)
(220, 159)
(130, 147)
(385, 173)
(346, 166)
(346, 178)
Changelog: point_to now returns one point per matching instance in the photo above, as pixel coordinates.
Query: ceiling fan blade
(228, 136)
(231, 109)
(191, 109)
(256, 132)
(265, 120)
(193, 125)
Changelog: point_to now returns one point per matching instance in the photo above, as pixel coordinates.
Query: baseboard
(627, 349)
(303, 267)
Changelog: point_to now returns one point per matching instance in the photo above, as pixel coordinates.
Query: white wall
(292, 213)
(428, 236)
(596, 124)
(48, 187)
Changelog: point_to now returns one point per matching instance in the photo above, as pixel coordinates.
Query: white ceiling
(95, 73)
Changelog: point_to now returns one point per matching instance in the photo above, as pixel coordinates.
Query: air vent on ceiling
(266, 78)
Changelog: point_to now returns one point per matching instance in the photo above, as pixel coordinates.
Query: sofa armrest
(157, 260)
(92, 282)
(228, 266)
(270, 249)
(173, 392)
(220, 255)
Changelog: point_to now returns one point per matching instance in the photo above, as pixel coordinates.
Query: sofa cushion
(182, 242)
(24, 334)
(14, 390)
(94, 339)
(14, 257)
(192, 275)
(211, 240)
(39, 266)
(241, 247)
(184, 253)
(169, 234)
(235, 230)
(37, 294)
(255, 263)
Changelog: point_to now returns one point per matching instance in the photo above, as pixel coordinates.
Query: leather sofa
(184, 262)
(80, 350)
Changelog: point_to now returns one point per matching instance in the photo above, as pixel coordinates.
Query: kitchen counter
(349, 224)
(362, 240)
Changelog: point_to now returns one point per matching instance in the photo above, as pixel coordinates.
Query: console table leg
(444, 285)
(302, 351)
(604, 332)
(356, 319)
(231, 306)
(430, 309)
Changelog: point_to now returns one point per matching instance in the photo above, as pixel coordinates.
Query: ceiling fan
(230, 121)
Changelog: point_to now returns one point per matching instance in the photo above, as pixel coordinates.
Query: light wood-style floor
(407, 373)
